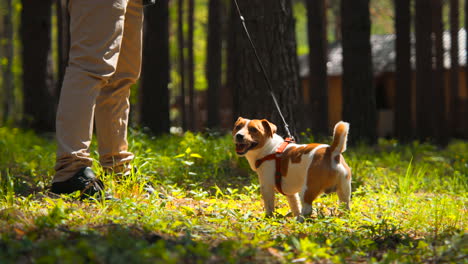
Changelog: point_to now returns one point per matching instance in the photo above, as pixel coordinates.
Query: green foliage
(25, 159)
(408, 205)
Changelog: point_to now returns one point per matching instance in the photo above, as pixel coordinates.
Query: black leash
(286, 126)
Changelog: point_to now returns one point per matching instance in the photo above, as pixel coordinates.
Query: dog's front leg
(294, 204)
(268, 194)
(267, 187)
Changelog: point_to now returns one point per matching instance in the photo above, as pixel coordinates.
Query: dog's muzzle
(243, 146)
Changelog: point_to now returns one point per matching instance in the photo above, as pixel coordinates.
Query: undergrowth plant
(192, 200)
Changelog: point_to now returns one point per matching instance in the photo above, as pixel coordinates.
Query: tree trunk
(2, 55)
(403, 124)
(466, 46)
(271, 26)
(63, 41)
(181, 62)
(335, 9)
(191, 67)
(359, 104)
(232, 33)
(155, 70)
(440, 128)
(213, 67)
(454, 67)
(425, 118)
(38, 103)
(8, 96)
(318, 86)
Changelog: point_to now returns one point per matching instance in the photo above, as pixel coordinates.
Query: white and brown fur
(307, 169)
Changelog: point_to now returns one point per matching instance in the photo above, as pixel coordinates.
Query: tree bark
(318, 86)
(38, 102)
(191, 67)
(454, 67)
(8, 49)
(271, 26)
(155, 70)
(335, 9)
(425, 116)
(231, 57)
(181, 61)
(440, 128)
(359, 103)
(402, 114)
(466, 46)
(63, 41)
(213, 67)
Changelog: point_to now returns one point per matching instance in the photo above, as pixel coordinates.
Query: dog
(301, 172)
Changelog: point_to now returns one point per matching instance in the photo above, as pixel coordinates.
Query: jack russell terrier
(300, 172)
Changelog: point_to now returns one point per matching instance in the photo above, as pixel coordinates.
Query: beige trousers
(104, 61)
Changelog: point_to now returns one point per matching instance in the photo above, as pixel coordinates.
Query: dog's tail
(340, 136)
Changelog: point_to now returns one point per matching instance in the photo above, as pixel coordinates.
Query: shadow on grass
(114, 243)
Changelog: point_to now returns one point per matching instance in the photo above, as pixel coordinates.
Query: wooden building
(383, 57)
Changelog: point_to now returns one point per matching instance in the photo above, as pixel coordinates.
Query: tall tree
(213, 65)
(425, 119)
(232, 34)
(271, 26)
(440, 128)
(155, 69)
(7, 74)
(403, 124)
(63, 40)
(454, 67)
(318, 87)
(359, 103)
(38, 103)
(466, 45)
(181, 61)
(191, 65)
(334, 6)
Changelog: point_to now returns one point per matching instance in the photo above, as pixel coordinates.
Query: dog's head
(251, 134)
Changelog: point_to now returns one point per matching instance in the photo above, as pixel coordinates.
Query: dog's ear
(239, 119)
(270, 128)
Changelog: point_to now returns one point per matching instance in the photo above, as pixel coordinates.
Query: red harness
(277, 157)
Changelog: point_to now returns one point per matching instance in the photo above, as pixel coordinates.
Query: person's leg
(112, 104)
(96, 29)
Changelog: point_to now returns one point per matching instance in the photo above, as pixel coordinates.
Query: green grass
(409, 205)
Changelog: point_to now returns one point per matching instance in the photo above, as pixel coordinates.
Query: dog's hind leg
(344, 191)
(308, 197)
(294, 204)
(344, 183)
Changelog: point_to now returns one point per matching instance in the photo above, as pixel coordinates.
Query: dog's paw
(269, 215)
(300, 219)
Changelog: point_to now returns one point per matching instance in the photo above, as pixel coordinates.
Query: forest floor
(194, 201)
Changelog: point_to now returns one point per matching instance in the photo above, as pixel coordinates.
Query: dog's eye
(238, 127)
(252, 130)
